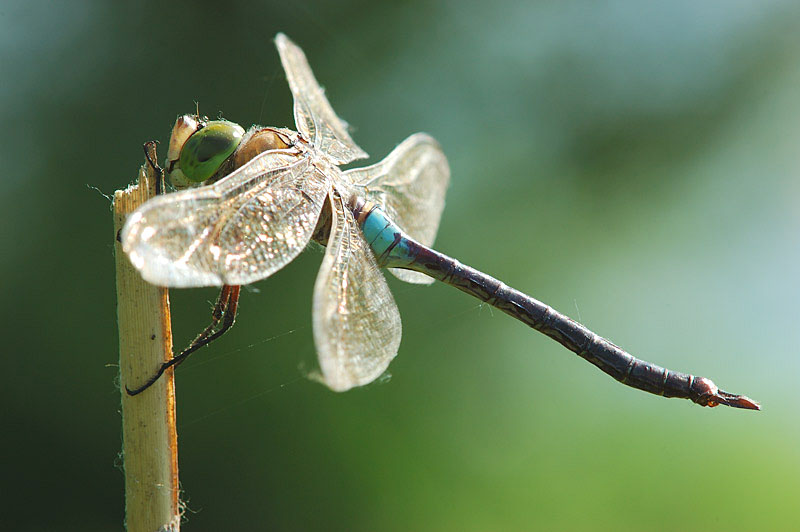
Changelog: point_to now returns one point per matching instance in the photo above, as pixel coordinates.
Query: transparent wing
(356, 323)
(239, 230)
(313, 114)
(410, 185)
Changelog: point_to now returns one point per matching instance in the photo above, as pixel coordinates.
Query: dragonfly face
(185, 126)
(260, 201)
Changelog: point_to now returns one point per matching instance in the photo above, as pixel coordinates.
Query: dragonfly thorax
(258, 140)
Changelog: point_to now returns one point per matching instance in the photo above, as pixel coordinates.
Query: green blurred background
(634, 166)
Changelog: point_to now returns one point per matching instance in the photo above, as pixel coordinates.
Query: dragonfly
(251, 201)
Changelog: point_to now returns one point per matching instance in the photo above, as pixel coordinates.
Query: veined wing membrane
(239, 230)
(410, 185)
(313, 114)
(356, 322)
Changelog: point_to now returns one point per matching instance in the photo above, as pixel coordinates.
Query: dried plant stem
(149, 437)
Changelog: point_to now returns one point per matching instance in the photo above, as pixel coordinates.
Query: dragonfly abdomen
(387, 240)
(608, 357)
(604, 354)
(393, 248)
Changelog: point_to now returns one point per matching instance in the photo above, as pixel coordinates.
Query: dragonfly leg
(151, 144)
(222, 319)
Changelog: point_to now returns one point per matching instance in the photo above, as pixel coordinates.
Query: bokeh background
(634, 165)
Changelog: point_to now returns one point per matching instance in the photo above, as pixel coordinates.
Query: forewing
(410, 185)
(313, 114)
(239, 230)
(357, 326)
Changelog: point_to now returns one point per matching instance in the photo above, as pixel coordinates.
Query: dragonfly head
(198, 149)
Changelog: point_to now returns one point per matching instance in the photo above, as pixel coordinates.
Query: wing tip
(284, 44)
(341, 382)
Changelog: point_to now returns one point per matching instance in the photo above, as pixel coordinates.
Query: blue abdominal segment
(388, 242)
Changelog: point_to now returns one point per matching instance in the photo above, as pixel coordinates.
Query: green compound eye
(206, 150)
